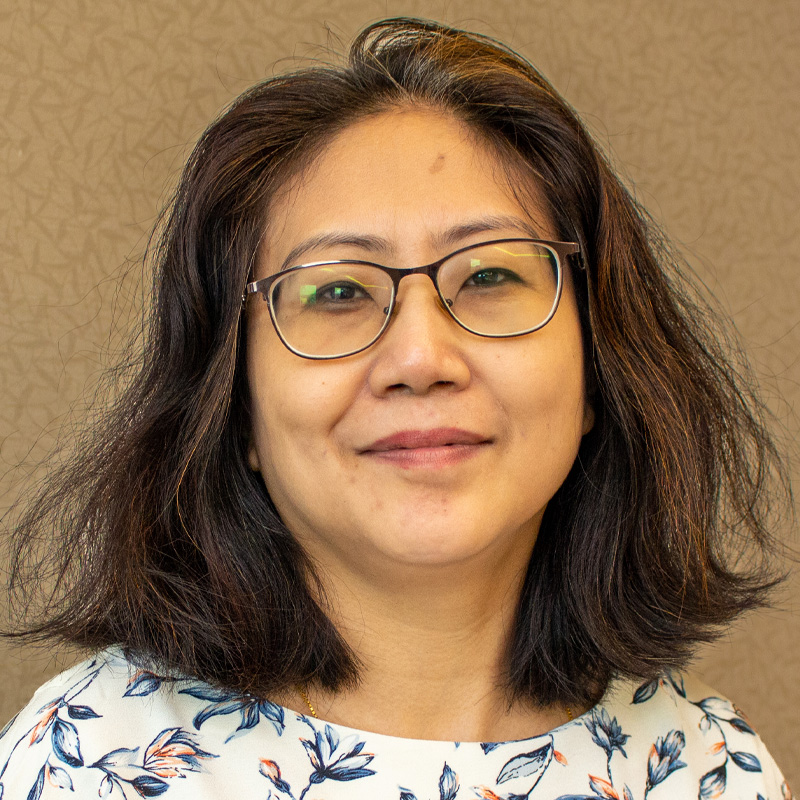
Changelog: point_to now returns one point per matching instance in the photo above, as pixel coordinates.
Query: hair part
(168, 544)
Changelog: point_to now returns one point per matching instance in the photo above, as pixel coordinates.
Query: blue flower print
(606, 732)
(172, 754)
(227, 702)
(664, 758)
(336, 759)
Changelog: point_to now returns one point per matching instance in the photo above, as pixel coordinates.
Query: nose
(422, 349)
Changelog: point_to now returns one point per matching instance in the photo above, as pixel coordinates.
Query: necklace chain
(302, 692)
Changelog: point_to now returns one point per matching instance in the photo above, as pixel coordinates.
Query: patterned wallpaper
(100, 101)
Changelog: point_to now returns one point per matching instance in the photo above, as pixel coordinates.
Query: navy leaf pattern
(143, 684)
(713, 783)
(641, 736)
(204, 692)
(645, 691)
(65, 743)
(36, 790)
(148, 786)
(718, 708)
(59, 778)
(448, 784)
(81, 712)
(747, 761)
(106, 786)
(740, 725)
(677, 683)
(581, 797)
(526, 765)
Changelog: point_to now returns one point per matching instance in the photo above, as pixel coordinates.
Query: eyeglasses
(496, 289)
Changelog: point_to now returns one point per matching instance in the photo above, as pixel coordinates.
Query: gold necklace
(307, 701)
(302, 692)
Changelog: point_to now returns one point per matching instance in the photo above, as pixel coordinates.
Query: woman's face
(434, 446)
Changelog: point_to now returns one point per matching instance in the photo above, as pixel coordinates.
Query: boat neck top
(108, 729)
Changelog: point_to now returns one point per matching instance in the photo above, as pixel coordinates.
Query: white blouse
(105, 729)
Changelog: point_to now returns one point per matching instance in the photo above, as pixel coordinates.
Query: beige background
(696, 100)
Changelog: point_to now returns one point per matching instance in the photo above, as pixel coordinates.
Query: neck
(432, 644)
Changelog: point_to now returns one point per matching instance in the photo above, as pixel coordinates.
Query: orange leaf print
(560, 757)
(37, 734)
(173, 753)
(716, 748)
(602, 786)
(486, 794)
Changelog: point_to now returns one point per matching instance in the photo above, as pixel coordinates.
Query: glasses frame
(264, 287)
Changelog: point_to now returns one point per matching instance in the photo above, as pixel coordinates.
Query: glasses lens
(331, 309)
(503, 288)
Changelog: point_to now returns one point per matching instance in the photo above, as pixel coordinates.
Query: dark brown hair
(167, 543)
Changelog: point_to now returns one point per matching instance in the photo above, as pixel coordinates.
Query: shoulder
(101, 727)
(677, 732)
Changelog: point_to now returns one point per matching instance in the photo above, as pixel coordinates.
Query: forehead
(400, 175)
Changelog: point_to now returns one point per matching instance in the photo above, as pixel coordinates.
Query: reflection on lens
(331, 309)
(503, 288)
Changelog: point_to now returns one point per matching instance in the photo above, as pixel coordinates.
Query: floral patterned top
(105, 729)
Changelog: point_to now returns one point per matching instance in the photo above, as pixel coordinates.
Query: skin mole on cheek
(437, 164)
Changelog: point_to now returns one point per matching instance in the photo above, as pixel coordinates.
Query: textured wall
(100, 101)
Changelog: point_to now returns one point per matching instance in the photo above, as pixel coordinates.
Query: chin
(425, 546)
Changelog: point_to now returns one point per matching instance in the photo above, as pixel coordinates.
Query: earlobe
(252, 456)
(588, 418)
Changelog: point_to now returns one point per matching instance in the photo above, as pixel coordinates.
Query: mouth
(438, 447)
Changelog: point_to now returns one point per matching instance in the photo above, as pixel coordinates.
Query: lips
(421, 440)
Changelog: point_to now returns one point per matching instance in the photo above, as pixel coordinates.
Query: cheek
(545, 388)
(295, 405)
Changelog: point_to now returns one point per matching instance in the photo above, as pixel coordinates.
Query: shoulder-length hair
(168, 544)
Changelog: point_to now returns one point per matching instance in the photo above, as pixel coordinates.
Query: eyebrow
(378, 244)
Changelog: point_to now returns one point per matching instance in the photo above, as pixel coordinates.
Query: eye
(492, 276)
(334, 294)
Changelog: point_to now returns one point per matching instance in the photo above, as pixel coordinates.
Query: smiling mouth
(432, 448)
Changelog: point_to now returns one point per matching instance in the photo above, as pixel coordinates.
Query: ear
(588, 418)
(252, 455)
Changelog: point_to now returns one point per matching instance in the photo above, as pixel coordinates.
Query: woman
(427, 482)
